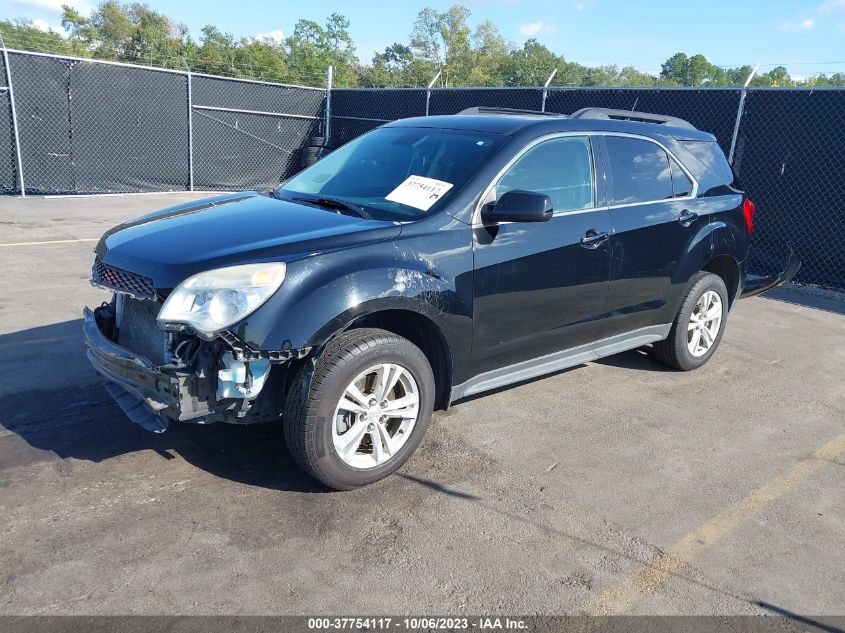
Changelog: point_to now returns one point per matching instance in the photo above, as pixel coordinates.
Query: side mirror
(519, 206)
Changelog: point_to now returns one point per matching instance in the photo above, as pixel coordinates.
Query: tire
(675, 350)
(313, 421)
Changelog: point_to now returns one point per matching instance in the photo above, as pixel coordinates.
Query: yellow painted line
(660, 568)
(82, 239)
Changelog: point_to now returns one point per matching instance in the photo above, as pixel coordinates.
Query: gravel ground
(614, 487)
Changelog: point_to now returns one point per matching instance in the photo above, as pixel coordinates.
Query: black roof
(503, 121)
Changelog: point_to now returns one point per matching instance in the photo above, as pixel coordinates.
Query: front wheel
(368, 406)
(698, 326)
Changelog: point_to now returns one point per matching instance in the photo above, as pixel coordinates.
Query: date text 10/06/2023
(417, 623)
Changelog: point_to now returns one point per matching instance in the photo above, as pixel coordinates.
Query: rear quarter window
(711, 156)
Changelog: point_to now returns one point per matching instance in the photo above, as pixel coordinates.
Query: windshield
(396, 173)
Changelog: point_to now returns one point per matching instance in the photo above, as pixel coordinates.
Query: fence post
(14, 118)
(546, 89)
(190, 126)
(739, 110)
(428, 91)
(329, 82)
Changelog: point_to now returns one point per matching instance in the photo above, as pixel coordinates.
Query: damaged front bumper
(147, 395)
(216, 381)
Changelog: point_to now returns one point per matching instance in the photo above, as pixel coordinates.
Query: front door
(541, 287)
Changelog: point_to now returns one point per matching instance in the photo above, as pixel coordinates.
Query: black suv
(428, 260)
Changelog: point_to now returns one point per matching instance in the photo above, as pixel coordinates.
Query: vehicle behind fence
(88, 127)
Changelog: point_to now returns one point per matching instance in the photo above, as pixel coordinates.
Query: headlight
(213, 300)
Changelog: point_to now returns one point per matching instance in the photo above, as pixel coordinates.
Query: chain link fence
(90, 126)
(790, 158)
(7, 140)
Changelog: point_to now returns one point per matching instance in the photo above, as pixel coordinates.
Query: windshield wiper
(338, 204)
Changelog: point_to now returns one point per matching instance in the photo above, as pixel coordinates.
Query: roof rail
(495, 110)
(629, 115)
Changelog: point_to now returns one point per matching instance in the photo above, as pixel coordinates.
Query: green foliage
(439, 41)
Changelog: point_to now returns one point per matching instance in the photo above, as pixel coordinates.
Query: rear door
(657, 223)
(538, 288)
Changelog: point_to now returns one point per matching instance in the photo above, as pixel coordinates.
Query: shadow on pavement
(787, 295)
(640, 359)
(815, 624)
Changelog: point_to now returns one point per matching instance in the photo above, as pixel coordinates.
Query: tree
(698, 70)
(675, 69)
(443, 40)
(777, 76)
(216, 53)
(21, 33)
(127, 32)
(530, 65)
(489, 56)
(395, 66)
(313, 48)
(439, 40)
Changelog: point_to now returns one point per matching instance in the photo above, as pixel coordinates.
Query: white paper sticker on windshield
(419, 192)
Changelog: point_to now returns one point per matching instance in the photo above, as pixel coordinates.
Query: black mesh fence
(450, 101)
(790, 158)
(97, 127)
(248, 134)
(356, 111)
(8, 168)
(128, 129)
(42, 103)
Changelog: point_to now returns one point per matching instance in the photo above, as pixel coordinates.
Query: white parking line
(82, 239)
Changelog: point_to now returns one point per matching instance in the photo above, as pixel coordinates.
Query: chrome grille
(123, 281)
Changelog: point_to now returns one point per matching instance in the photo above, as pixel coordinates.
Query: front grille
(121, 280)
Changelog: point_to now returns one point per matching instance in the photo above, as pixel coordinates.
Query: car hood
(172, 244)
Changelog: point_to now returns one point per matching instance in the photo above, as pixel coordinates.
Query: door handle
(687, 217)
(593, 238)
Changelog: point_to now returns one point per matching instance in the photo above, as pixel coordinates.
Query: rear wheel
(368, 406)
(698, 326)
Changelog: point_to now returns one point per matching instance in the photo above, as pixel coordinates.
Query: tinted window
(710, 154)
(640, 170)
(681, 184)
(561, 168)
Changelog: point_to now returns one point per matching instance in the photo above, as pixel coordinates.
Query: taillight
(748, 209)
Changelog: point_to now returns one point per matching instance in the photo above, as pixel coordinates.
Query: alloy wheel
(375, 416)
(704, 323)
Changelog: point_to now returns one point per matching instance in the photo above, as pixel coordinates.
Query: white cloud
(530, 29)
(44, 25)
(832, 5)
(582, 5)
(273, 37)
(55, 5)
(799, 25)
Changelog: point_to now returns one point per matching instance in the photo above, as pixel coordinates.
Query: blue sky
(807, 36)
